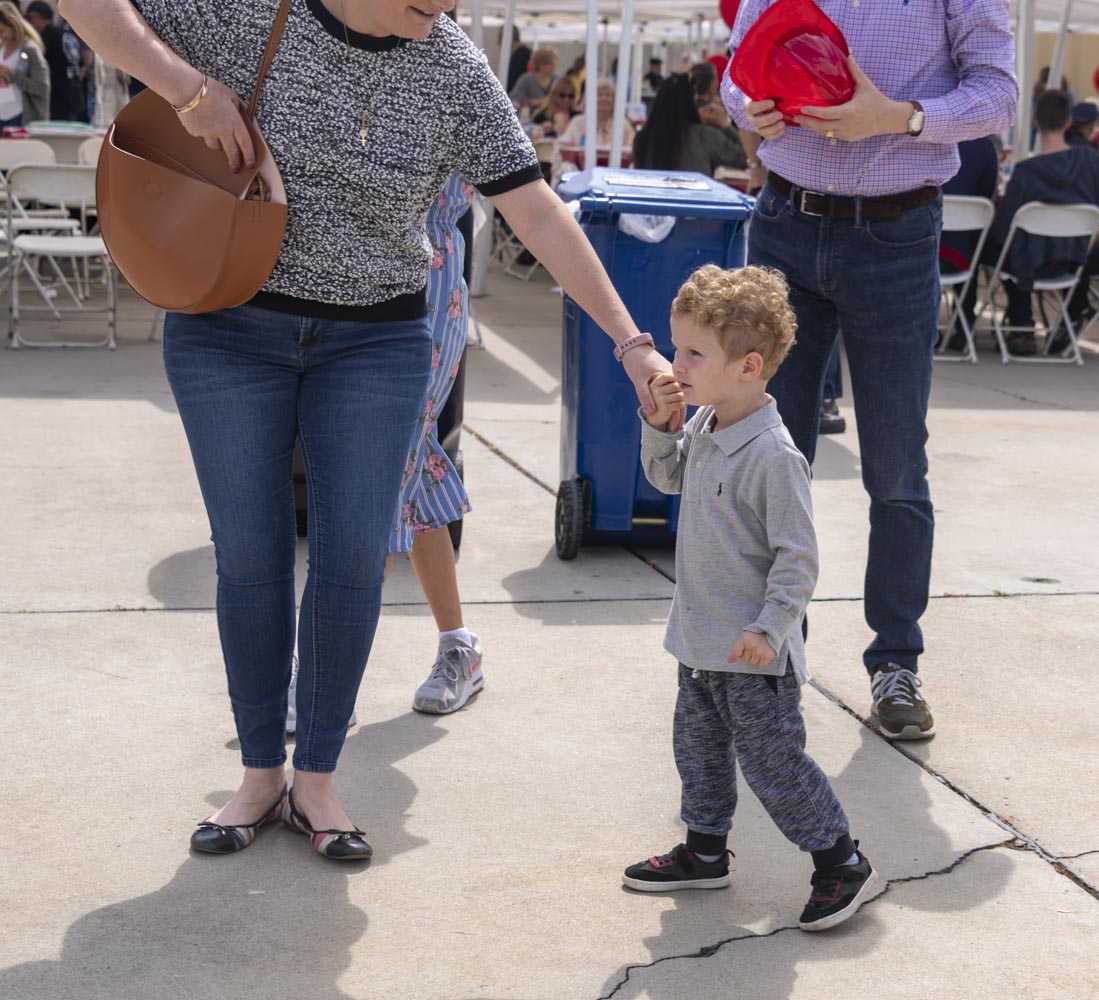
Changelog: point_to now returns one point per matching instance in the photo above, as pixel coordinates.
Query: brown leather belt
(834, 206)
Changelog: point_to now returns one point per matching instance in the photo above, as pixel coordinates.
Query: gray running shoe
(454, 679)
(902, 712)
(292, 706)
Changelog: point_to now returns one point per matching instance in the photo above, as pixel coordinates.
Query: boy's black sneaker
(837, 894)
(678, 869)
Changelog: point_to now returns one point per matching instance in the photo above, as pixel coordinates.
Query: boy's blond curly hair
(748, 309)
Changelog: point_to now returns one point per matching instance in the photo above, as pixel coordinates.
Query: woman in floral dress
(432, 495)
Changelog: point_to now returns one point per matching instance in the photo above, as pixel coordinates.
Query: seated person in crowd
(1059, 174)
(1082, 126)
(532, 89)
(655, 77)
(560, 107)
(978, 176)
(576, 132)
(675, 138)
(704, 82)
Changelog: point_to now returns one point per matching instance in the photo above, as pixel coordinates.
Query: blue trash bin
(604, 497)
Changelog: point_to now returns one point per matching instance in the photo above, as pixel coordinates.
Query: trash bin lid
(606, 191)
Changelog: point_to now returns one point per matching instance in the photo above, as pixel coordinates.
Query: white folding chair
(1037, 218)
(66, 186)
(14, 152)
(49, 220)
(962, 214)
(88, 153)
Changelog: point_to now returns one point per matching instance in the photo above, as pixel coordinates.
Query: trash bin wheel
(572, 516)
(455, 527)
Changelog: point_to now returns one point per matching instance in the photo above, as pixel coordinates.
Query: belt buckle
(800, 203)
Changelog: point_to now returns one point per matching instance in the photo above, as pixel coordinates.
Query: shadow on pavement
(275, 920)
(892, 820)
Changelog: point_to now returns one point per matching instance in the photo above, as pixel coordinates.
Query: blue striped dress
(432, 495)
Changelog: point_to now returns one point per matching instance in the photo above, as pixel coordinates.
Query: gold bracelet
(196, 100)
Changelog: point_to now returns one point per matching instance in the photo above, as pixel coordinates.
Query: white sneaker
(455, 677)
(292, 707)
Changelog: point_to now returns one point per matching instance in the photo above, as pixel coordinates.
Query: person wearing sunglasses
(559, 108)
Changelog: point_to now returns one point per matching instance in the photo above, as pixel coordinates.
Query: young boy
(746, 565)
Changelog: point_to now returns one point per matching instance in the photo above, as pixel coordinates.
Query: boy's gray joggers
(721, 718)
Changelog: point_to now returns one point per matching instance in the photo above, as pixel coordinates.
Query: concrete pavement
(500, 832)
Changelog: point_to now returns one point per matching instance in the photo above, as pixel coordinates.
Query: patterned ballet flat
(339, 845)
(213, 838)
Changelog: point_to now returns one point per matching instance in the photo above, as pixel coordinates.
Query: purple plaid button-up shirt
(956, 57)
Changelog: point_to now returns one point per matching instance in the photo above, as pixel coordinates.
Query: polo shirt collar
(734, 437)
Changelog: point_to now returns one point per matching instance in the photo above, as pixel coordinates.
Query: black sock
(838, 854)
(707, 843)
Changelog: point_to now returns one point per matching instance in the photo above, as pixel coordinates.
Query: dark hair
(1042, 83)
(1052, 111)
(703, 78)
(659, 144)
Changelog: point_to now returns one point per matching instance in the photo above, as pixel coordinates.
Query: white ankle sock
(853, 860)
(461, 633)
(708, 858)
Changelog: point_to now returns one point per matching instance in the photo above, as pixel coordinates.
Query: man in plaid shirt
(851, 214)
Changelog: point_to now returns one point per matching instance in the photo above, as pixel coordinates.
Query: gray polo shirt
(746, 554)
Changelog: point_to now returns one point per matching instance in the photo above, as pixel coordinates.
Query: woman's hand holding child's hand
(753, 648)
(669, 402)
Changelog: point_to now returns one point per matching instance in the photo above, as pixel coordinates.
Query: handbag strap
(269, 55)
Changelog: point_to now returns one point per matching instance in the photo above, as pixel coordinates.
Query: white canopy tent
(637, 22)
(699, 23)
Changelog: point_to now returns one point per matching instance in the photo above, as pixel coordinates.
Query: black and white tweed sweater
(355, 244)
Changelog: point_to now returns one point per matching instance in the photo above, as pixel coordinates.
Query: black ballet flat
(213, 838)
(338, 845)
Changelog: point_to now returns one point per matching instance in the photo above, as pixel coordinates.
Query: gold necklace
(367, 118)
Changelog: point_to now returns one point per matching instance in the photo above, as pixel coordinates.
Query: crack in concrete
(712, 949)
(1010, 395)
(141, 609)
(1025, 841)
(504, 457)
(1073, 857)
(650, 563)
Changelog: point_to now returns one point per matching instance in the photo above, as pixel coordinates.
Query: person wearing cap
(655, 77)
(851, 213)
(1058, 174)
(1080, 131)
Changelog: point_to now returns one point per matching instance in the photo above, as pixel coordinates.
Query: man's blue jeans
(879, 281)
(248, 382)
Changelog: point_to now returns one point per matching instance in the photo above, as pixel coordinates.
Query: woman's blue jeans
(879, 281)
(248, 383)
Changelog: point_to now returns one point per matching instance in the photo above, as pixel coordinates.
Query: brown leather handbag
(186, 232)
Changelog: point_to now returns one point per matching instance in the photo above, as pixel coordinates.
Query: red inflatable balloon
(719, 62)
(1095, 79)
(728, 11)
(795, 56)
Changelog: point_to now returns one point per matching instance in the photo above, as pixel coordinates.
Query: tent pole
(477, 28)
(505, 43)
(1057, 63)
(618, 125)
(1024, 73)
(591, 76)
(638, 64)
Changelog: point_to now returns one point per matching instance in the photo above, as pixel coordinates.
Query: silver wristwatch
(915, 120)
